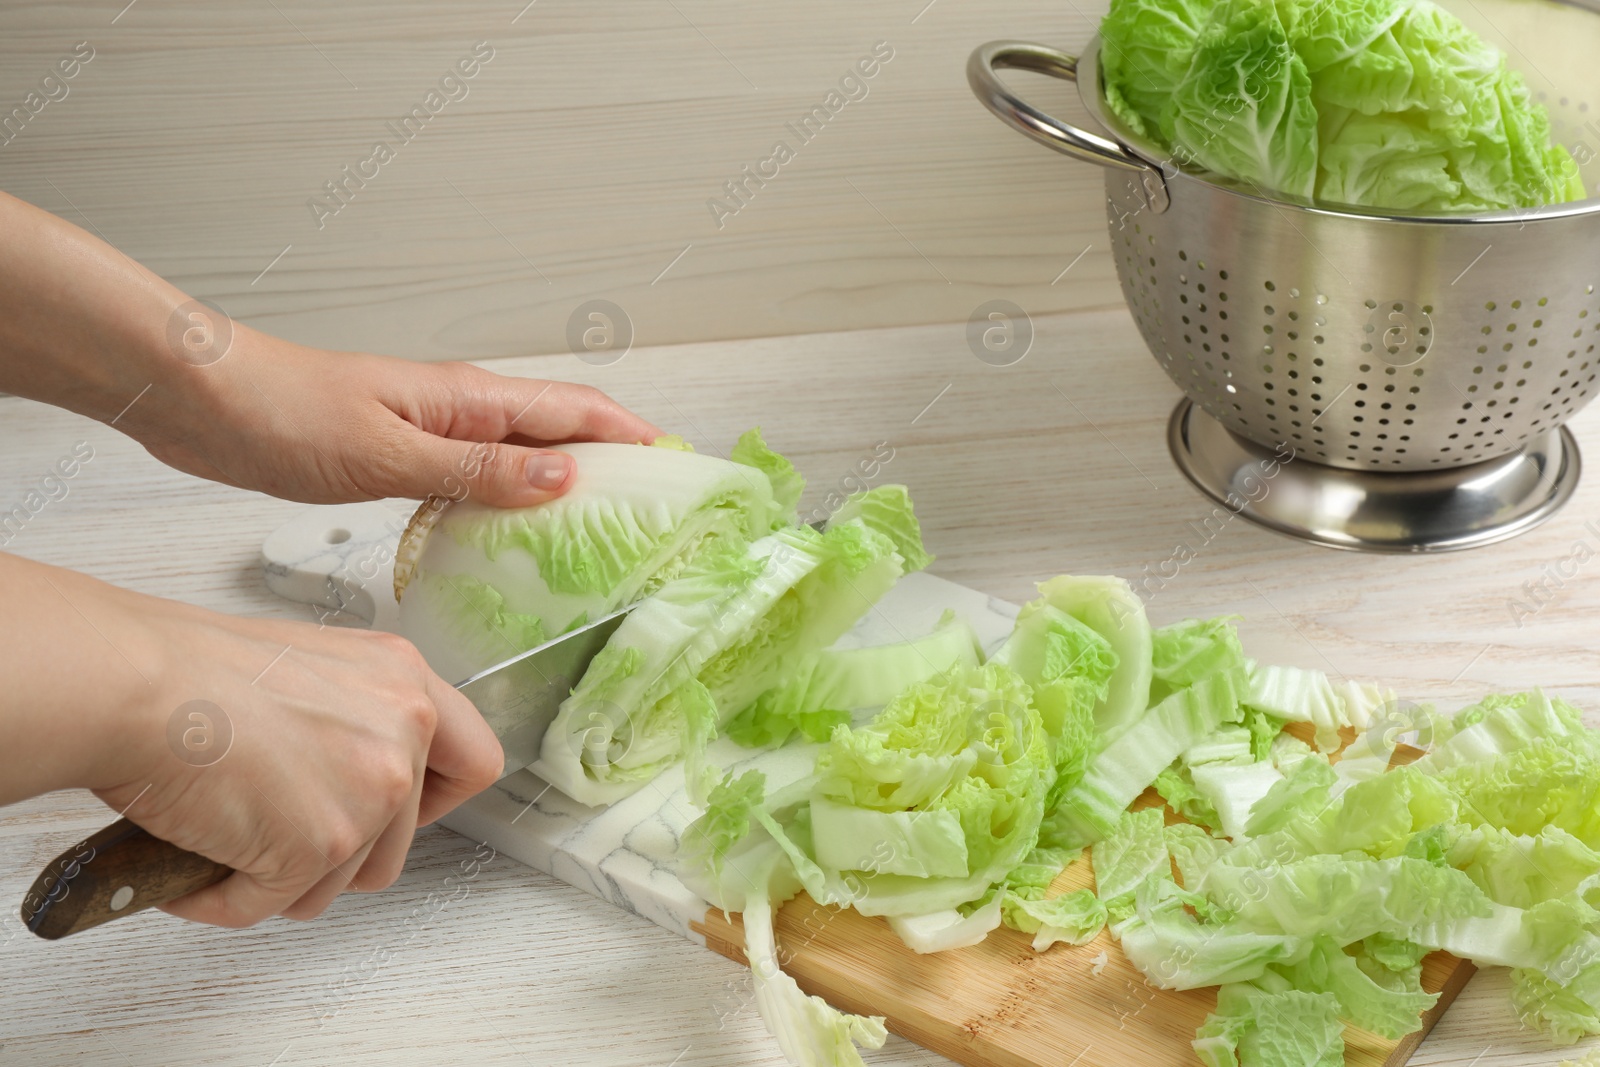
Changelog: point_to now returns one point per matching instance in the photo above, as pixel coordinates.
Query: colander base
(1422, 511)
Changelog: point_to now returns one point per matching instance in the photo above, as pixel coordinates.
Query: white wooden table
(1056, 464)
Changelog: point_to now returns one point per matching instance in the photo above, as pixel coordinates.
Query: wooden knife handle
(118, 871)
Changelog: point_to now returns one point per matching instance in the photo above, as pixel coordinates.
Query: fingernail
(549, 470)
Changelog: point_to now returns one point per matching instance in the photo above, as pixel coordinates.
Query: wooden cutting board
(997, 1004)
(1000, 1004)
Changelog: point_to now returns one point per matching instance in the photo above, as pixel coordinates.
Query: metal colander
(1363, 340)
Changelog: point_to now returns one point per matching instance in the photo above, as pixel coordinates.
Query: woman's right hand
(343, 741)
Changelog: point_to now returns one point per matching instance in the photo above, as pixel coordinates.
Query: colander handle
(1050, 132)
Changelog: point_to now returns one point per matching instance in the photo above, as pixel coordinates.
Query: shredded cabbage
(733, 621)
(822, 690)
(1308, 888)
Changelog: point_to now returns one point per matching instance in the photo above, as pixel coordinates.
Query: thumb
(500, 475)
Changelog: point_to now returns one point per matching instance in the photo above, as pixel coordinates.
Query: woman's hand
(327, 747)
(84, 327)
(330, 427)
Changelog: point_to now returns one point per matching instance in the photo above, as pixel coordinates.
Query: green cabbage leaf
(1391, 104)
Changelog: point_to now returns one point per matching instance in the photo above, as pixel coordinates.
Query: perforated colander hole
(1271, 288)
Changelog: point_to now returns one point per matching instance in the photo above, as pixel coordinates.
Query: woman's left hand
(84, 327)
(330, 427)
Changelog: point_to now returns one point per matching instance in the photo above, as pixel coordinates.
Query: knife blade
(124, 869)
(520, 697)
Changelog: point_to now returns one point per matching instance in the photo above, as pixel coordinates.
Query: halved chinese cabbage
(477, 585)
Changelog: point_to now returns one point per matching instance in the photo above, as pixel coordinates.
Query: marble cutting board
(339, 559)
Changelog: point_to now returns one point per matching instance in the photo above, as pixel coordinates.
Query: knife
(123, 869)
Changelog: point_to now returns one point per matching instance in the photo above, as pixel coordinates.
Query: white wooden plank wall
(576, 163)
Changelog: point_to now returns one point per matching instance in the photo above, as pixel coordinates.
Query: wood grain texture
(1001, 1004)
(578, 165)
(1015, 481)
(113, 873)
